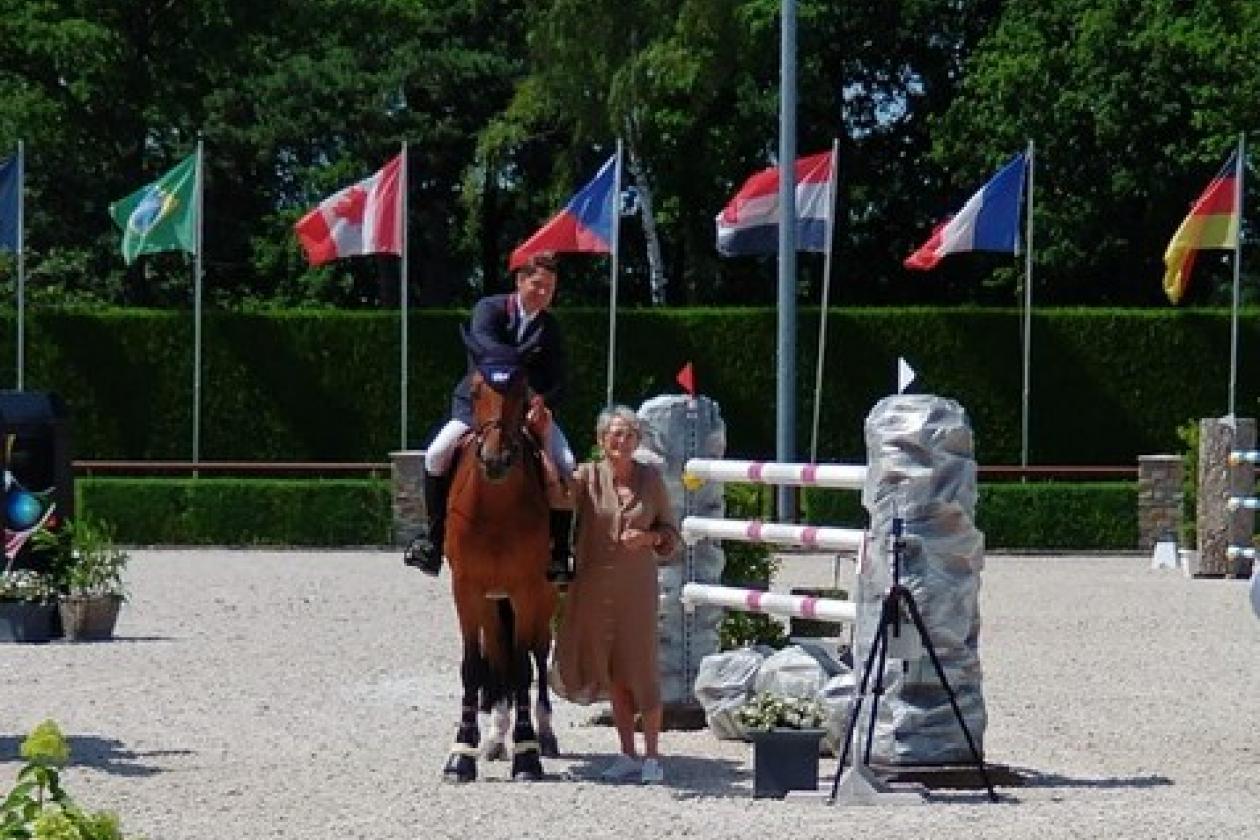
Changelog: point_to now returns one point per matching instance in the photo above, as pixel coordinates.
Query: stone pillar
(921, 468)
(1218, 526)
(407, 476)
(1159, 499)
(676, 428)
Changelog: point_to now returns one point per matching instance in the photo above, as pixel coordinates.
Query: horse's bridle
(511, 443)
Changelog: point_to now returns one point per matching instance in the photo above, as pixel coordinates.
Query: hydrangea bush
(38, 807)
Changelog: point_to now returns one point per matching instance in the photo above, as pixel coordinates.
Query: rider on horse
(503, 323)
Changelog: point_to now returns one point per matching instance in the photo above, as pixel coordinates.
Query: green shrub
(323, 385)
(1099, 516)
(234, 511)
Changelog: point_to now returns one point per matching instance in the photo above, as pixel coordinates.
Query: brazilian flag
(161, 216)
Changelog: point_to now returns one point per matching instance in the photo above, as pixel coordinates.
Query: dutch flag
(749, 223)
(989, 221)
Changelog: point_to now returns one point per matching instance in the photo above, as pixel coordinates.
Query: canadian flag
(364, 218)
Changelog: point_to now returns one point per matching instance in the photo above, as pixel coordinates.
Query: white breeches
(437, 458)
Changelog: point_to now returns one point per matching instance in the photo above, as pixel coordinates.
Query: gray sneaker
(652, 772)
(622, 769)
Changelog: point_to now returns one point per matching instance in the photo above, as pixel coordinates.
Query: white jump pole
(695, 528)
(1242, 456)
(772, 603)
(1243, 503)
(1235, 551)
(840, 476)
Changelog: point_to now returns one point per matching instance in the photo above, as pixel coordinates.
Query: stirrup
(420, 554)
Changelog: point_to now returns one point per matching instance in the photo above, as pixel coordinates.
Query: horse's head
(500, 396)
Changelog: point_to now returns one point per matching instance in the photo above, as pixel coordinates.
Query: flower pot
(89, 618)
(785, 759)
(21, 621)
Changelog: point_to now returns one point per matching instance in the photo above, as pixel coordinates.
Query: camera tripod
(890, 619)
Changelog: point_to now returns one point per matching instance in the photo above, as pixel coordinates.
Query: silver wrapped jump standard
(922, 468)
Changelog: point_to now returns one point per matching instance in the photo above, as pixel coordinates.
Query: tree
(1133, 104)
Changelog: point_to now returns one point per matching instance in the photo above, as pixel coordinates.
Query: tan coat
(608, 633)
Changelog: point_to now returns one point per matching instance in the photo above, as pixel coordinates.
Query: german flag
(1212, 223)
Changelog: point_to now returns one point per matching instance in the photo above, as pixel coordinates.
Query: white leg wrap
(437, 457)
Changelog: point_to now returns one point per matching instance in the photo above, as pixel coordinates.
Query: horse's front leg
(526, 765)
(547, 742)
(461, 763)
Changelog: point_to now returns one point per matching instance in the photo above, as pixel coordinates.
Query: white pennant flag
(905, 375)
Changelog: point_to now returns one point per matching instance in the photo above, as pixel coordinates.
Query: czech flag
(749, 223)
(1212, 223)
(989, 221)
(585, 225)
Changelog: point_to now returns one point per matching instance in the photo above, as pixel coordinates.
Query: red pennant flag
(687, 379)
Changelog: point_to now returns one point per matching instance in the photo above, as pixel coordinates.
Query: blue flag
(9, 206)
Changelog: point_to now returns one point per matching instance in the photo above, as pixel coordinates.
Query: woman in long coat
(606, 647)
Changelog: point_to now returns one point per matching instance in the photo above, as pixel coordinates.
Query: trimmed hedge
(337, 512)
(228, 511)
(1094, 516)
(1106, 384)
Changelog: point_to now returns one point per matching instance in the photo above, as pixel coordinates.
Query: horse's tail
(498, 640)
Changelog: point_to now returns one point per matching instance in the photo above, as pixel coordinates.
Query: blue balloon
(22, 510)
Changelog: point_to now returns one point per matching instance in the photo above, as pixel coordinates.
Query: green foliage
(84, 559)
(1133, 107)
(1107, 385)
(748, 565)
(1098, 516)
(38, 807)
(1188, 434)
(27, 586)
(223, 511)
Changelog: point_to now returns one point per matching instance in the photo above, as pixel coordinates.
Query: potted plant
(87, 568)
(28, 606)
(786, 732)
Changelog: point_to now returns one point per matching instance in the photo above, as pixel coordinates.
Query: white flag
(905, 375)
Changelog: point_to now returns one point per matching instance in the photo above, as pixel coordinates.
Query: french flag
(585, 225)
(749, 223)
(989, 221)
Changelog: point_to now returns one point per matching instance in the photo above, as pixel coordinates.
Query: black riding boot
(425, 551)
(560, 569)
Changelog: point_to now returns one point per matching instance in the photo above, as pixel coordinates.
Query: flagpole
(785, 391)
(21, 264)
(402, 306)
(197, 269)
(1028, 284)
(826, 296)
(1233, 320)
(614, 247)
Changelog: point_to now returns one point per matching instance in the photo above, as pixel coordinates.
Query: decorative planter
(89, 618)
(785, 759)
(24, 622)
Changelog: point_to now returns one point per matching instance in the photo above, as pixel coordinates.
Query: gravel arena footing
(314, 694)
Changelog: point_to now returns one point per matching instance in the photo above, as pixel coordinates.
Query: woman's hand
(635, 538)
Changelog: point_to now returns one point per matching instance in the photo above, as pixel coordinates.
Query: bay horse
(498, 544)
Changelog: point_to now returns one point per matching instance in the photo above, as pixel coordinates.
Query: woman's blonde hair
(617, 412)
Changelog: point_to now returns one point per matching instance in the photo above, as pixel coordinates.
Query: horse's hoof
(459, 769)
(548, 745)
(496, 751)
(526, 767)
